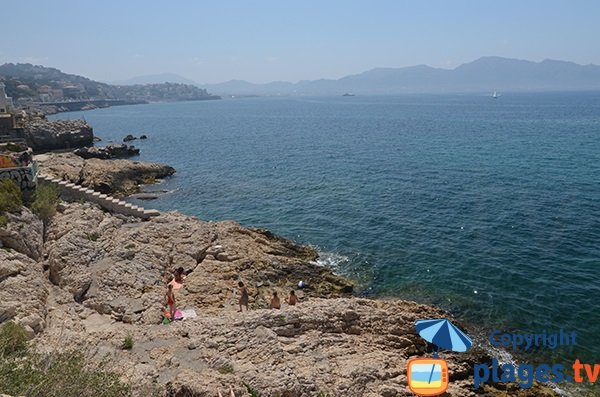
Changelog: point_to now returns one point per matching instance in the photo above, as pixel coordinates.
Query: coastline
(104, 280)
(51, 108)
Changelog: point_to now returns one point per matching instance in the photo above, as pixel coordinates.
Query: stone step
(110, 203)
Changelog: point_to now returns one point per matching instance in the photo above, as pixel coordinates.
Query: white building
(5, 102)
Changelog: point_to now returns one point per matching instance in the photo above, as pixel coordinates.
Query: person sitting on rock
(243, 296)
(170, 297)
(292, 299)
(231, 393)
(275, 301)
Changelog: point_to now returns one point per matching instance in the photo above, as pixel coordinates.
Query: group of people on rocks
(179, 276)
(291, 300)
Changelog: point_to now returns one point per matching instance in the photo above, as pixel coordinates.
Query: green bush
(13, 147)
(13, 339)
(67, 374)
(45, 201)
(11, 199)
(252, 391)
(59, 375)
(127, 343)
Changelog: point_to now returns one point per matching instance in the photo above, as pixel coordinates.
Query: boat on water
(348, 94)
(495, 95)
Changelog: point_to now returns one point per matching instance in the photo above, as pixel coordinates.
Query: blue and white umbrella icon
(443, 334)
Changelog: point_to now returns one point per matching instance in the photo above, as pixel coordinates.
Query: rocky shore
(95, 278)
(116, 177)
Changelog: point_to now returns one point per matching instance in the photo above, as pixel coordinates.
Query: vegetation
(69, 374)
(45, 201)
(252, 391)
(13, 339)
(127, 343)
(227, 369)
(11, 198)
(13, 147)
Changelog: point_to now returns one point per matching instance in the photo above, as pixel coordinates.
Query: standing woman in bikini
(170, 296)
(244, 296)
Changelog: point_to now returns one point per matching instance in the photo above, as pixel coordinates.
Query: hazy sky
(289, 40)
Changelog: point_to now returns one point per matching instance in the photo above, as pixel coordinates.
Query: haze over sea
(488, 208)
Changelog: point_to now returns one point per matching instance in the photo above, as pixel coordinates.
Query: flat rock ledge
(118, 178)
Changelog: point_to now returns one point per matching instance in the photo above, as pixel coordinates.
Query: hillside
(28, 83)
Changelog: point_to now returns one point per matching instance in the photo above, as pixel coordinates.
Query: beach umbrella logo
(429, 376)
(443, 334)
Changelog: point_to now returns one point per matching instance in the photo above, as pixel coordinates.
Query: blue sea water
(489, 208)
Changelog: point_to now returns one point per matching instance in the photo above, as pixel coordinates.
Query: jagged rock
(122, 150)
(116, 177)
(43, 135)
(110, 151)
(23, 291)
(23, 233)
(129, 262)
(92, 152)
(129, 138)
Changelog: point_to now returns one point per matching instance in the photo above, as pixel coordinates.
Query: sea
(488, 208)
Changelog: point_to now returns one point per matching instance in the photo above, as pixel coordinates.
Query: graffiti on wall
(23, 177)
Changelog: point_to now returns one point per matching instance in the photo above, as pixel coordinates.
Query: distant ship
(495, 95)
(348, 94)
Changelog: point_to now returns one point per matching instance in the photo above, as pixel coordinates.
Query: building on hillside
(72, 92)
(57, 95)
(44, 89)
(5, 102)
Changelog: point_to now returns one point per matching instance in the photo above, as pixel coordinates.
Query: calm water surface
(489, 208)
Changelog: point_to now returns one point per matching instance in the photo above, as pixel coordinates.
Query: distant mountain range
(486, 74)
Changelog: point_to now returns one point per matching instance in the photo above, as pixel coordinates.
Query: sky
(289, 40)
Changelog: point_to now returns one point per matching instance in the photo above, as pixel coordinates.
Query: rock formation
(105, 279)
(115, 177)
(43, 135)
(23, 291)
(23, 233)
(108, 152)
(120, 267)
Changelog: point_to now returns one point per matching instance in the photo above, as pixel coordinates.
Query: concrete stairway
(71, 191)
